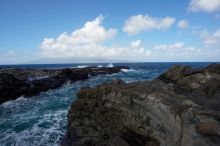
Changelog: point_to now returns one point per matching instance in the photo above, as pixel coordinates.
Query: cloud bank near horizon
(89, 41)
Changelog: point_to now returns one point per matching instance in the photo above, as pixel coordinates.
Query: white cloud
(183, 24)
(217, 33)
(92, 32)
(210, 38)
(9, 57)
(204, 5)
(98, 51)
(136, 44)
(88, 42)
(177, 45)
(9, 54)
(138, 23)
(180, 52)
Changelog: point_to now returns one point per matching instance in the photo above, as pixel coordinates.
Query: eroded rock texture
(179, 108)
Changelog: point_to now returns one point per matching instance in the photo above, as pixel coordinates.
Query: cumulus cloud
(88, 42)
(204, 5)
(138, 23)
(179, 51)
(183, 24)
(136, 44)
(91, 33)
(210, 38)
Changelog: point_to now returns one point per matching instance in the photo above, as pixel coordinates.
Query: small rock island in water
(179, 108)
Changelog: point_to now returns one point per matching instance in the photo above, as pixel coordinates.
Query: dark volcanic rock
(10, 87)
(15, 82)
(179, 108)
(200, 85)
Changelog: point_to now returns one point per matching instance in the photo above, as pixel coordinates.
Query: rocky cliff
(179, 108)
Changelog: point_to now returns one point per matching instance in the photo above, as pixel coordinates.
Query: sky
(41, 31)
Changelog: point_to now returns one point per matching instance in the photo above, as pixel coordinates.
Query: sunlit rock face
(179, 108)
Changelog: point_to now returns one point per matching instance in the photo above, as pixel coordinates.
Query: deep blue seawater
(42, 120)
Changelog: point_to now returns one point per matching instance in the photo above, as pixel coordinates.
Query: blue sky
(141, 30)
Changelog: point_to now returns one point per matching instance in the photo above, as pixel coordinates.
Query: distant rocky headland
(16, 82)
(179, 108)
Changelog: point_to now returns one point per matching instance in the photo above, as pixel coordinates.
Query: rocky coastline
(179, 108)
(16, 82)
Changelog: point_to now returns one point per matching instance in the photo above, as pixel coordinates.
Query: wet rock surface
(15, 82)
(179, 108)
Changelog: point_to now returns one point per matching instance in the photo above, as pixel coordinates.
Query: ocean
(42, 120)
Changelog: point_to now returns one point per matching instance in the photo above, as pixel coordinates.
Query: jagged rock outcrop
(179, 108)
(10, 87)
(15, 82)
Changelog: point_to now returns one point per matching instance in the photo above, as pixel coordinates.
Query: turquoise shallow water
(42, 120)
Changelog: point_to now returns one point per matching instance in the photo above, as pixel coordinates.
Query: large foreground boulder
(179, 108)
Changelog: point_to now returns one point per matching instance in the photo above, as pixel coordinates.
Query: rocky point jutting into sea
(181, 107)
(27, 82)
